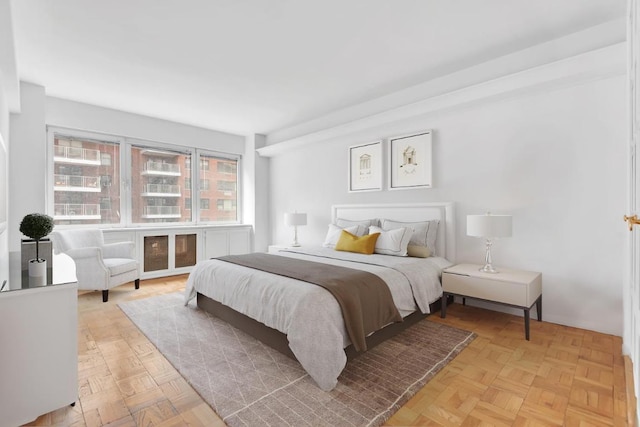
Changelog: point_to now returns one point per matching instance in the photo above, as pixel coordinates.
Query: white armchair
(99, 266)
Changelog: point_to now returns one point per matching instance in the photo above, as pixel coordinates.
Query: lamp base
(295, 245)
(488, 268)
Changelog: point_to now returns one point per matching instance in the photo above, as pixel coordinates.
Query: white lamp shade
(489, 225)
(292, 219)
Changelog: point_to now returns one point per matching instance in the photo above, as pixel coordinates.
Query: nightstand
(514, 288)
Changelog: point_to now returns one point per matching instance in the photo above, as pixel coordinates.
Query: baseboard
(632, 414)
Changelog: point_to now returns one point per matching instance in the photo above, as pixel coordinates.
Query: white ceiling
(257, 66)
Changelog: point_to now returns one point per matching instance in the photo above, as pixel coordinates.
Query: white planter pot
(37, 272)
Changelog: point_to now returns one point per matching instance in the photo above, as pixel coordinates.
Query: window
(226, 205)
(224, 182)
(155, 185)
(227, 167)
(81, 192)
(105, 204)
(107, 179)
(226, 186)
(105, 159)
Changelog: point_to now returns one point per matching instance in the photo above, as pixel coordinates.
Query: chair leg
(105, 295)
(137, 282)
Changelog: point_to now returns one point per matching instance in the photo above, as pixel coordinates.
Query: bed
(304, 320)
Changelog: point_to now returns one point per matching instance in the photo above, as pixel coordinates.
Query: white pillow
(392, 242)
(365, 224)
(334, 234)
(424, 232)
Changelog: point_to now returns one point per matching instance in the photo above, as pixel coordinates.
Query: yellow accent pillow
(351, 243)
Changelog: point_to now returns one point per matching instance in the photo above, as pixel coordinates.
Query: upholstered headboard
(407, 212)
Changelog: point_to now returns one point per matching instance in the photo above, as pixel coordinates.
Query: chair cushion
(120, 265)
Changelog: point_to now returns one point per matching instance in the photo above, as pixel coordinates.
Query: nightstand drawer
(519, 294)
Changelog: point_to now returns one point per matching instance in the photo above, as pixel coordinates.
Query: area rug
(248, 384)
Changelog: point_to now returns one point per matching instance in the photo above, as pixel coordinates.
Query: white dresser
(39, 350)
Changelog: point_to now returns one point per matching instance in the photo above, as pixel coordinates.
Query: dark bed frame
(278, 341)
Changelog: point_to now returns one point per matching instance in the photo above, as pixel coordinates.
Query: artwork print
(410, 161)
(365, 167)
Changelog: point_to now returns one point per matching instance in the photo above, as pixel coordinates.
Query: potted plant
(36, 226)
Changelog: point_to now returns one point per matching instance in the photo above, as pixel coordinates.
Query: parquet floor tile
(141, 400)
(545, 405)
(557, 377)
(576, 417)
(500, 399)
(515, 379)
(496, 407)
(155, 414)
(595, 373)
(406, 417)
(564, 376)
(591, 397)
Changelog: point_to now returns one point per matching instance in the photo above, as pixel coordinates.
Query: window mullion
(125, 183)
(195, 185)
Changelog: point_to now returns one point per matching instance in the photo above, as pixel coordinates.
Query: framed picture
(365, 167)
(410, 161)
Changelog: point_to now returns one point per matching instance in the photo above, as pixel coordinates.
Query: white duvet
(308, 314)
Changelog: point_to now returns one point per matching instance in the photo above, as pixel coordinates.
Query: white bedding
(308, 314)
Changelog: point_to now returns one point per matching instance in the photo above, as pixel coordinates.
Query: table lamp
(295, 219)
(488, 226)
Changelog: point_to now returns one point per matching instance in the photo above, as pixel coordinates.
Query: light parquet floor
(564, 376)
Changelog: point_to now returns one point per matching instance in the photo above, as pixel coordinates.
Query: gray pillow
(365, 223)
(424, 232)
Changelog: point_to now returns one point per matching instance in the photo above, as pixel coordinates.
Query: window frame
(75, 134)
(239, 188)
(160, 146)
(125, 156)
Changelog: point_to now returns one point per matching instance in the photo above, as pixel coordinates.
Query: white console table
(39, 336)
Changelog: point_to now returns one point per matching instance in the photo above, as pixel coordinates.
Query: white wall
(9, 101)
(255, 187)
(554, 160)
(4, 196)
(4, 117)
(28, 150)
(76, 115)
(27, 160)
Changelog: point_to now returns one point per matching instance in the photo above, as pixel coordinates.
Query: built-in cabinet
(174, 252)
(226, 242)
(169, 251)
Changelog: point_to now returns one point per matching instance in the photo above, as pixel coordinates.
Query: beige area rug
(249, 384)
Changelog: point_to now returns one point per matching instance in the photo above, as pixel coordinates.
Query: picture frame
(410, 161)
(365, 167)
